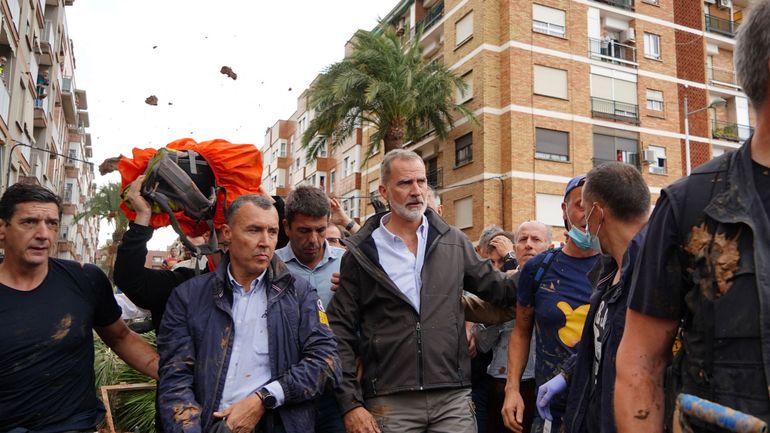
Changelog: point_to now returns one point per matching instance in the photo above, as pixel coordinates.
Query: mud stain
(184, 415)
(721, 255)
(63, 328)
(381, 410)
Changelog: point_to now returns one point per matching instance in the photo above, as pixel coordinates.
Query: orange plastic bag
(237, 168)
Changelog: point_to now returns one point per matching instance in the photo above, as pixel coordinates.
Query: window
(464, 149)
(467, 94)
(346, 167)
(550, 82)
(550, 144)
(548, 209)
(658, 165)
(652, 46)
(608, 148)
(73, 153)
(296, 163)
(332, 179)
(68, 187)
(548, 20)
(322, 182)
(282, 152)
(654, 100)
(464, 29)
(464, 213)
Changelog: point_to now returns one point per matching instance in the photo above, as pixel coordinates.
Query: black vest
(724, 255)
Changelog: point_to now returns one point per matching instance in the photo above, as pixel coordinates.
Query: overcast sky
(127, 50)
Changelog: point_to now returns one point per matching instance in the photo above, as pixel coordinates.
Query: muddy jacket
(195, 343)
(726, 333)
(403, 349)
(586, 398)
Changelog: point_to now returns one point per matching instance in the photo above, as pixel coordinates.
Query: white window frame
(652, 46)
(548, 27)
(660, 165)
(465, 21)
(543, 89)
(467, 95)
(653, 103)
(464, 212)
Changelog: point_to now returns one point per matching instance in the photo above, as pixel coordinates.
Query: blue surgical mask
(582, 239)
(593, 240)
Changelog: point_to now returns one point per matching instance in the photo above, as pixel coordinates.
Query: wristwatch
(350, 225)
(510, 256)
(268, 399)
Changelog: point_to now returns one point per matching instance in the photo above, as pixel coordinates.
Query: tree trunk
(394, 138)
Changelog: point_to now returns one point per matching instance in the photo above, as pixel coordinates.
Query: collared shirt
(320, 276)
(249, 368)
(403, 267)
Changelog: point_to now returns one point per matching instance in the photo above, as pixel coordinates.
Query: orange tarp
(237, 168)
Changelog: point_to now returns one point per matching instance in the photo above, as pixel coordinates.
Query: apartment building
(43, 116)
(336, 171)
(559, 86)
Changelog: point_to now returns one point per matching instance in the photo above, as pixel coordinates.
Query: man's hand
(502, 244)
(138, 203)
(513, 411)
(359, 420)
(335, 281)
(243, 416)
(338, 215)
(471, 339)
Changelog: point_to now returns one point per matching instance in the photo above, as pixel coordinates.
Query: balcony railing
(719, 75)
(623, 4)
(721, 26)
(730, 131)
(615, 110)
(431, 18)
(5, 102)
(612, 52)
(436, 178)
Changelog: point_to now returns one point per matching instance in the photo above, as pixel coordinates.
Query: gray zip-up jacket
(403, 349)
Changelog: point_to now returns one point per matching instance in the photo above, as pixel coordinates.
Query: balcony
(431, 17)
(724, 77)
(730, 131)
(614, 110)
(68, 100)
(41, 113)
(436, 178)
(612, 52)
(721, 26)
(47, 43)
(623, 4)
(349, 183)
(5, 102)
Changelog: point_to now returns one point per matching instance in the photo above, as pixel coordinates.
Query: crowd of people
(304, 320)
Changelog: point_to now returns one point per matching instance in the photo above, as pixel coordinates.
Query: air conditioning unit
(628, 35)
(724, 4)
(650, 157)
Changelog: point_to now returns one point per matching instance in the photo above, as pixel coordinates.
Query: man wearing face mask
(618, 203)
(553, 297)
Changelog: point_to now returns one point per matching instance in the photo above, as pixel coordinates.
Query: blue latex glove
(546, 392)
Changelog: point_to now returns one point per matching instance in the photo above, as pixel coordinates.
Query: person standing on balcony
(703, 267)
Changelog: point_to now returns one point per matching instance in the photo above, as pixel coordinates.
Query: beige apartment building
(559, 86)
(43, 116)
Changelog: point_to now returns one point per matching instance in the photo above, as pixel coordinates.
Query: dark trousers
(497, 399)
(270, 423)
(328, 418)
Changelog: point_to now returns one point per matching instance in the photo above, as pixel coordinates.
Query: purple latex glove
(546, 392)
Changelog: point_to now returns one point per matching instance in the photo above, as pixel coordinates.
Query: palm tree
(385, 82)
(106, 205)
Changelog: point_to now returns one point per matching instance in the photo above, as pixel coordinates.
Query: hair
(307, 200)
(509, 235)
(752, 52)
(25, 193)
(434, 196)
(546, 229)
(387, 161)
(344, 234)
(621, 188)
(257, 200)
(487, 234)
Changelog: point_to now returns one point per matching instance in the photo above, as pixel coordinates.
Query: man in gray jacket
(398, 307)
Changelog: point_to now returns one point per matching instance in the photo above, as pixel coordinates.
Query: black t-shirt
(762, 182)
(46, 348)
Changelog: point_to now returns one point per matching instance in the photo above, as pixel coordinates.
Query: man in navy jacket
(245, 348)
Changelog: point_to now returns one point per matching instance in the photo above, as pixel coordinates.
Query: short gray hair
(393, 155)
(432, 193)
(257, 200)
(752, 52)
(487, 234)
(546, 229)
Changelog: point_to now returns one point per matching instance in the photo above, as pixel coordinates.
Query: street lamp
(18, 143)
(716, 102)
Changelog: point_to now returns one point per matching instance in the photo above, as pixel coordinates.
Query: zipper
(419, 354)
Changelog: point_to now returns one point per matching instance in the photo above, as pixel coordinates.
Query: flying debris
(170, 103)
(154, 46)
(289, 89)
(151, 100)
(226, 70)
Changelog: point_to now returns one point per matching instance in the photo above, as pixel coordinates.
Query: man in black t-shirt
(47, 310)
(704, 266)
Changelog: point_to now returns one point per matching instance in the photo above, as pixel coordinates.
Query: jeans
(328, 418)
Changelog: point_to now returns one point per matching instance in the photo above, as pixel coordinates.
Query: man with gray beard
(398, 308)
